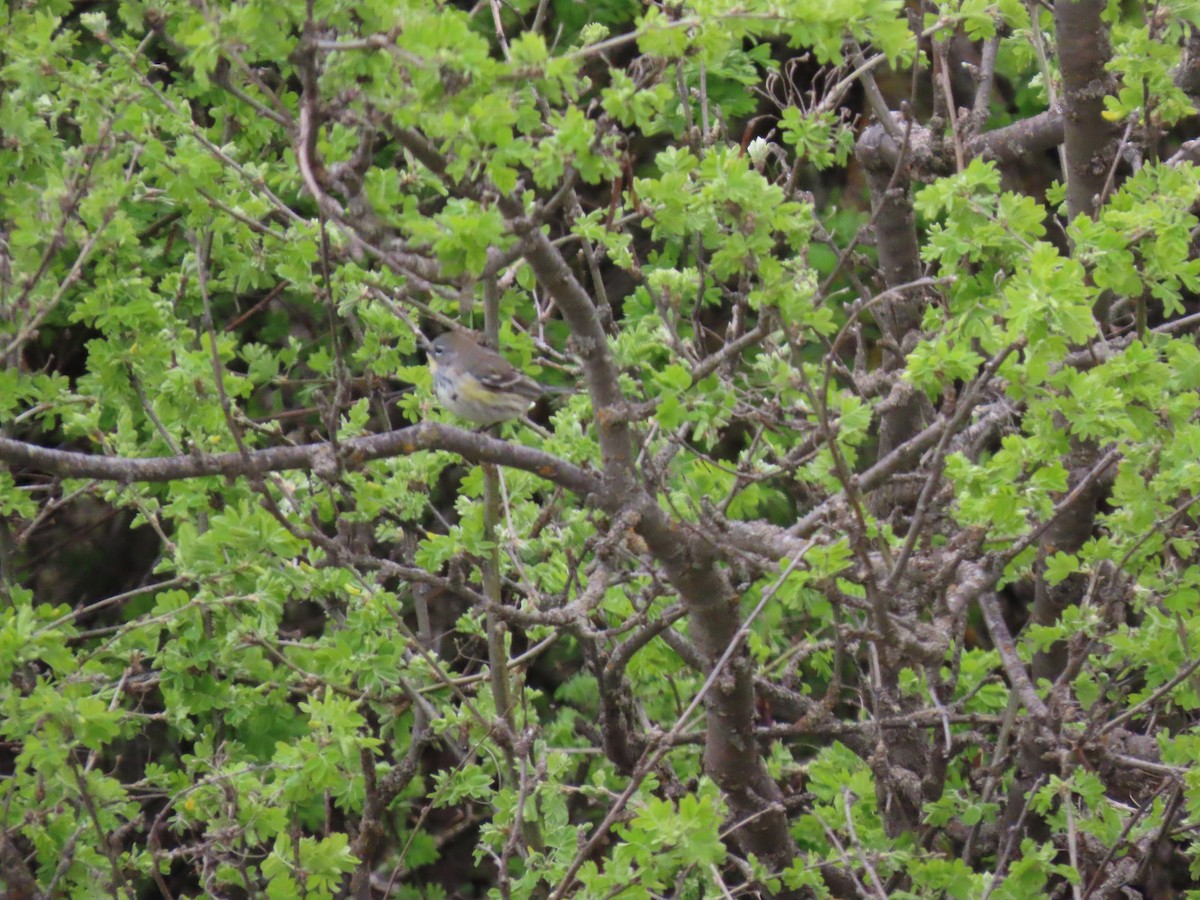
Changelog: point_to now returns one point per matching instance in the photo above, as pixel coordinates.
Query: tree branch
(479, 448)
(1088, 138)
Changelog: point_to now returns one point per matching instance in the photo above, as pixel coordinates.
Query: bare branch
(475, 447)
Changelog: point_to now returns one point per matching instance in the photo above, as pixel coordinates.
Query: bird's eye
(438, 351)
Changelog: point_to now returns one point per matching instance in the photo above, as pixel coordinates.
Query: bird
(478, 384)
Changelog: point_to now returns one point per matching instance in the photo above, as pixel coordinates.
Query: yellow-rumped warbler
(479, 384)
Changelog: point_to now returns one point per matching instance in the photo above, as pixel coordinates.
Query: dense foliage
(861, 561)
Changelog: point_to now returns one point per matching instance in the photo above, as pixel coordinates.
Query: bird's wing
(500, 375)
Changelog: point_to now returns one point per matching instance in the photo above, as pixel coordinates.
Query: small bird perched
(479, 384)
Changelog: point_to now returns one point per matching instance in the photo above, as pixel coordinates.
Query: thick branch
(900, 262)
(591, 343)
(320, 457)
(730, 749)
(731, 755)
(1089, 139)
(1021, 140)
(895, 226)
